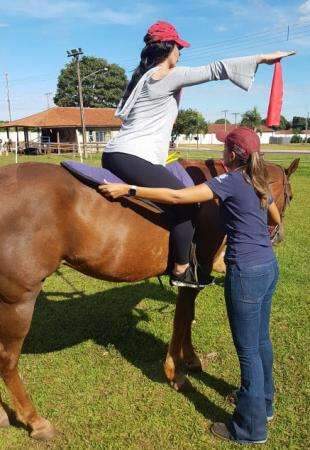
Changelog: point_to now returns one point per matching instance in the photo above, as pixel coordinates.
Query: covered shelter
(59, 128)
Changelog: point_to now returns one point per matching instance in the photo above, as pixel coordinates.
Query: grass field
(270, 147)
(93, 359)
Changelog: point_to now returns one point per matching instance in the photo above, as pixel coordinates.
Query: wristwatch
(132, 191)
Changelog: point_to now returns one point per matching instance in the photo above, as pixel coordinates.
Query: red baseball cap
(245, 139)
(164, 31)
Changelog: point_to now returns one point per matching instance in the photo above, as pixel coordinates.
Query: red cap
(245, 139)
(164, 31)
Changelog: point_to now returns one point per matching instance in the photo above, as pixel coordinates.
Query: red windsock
(276, 96)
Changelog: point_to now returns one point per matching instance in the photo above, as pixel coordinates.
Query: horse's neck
(203, 170)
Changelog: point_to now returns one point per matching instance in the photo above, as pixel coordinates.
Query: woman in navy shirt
(251, 277)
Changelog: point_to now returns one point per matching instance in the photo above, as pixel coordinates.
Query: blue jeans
(248, 295)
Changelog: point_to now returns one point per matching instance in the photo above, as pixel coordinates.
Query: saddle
(94, 176)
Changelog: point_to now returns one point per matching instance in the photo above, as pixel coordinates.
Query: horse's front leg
(180, 345)
(4, 418)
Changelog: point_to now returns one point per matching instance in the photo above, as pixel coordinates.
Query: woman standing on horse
(251, 276)
(148, 109)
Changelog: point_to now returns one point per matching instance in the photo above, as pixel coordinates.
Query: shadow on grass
(111, 318)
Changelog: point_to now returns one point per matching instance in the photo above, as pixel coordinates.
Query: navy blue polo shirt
(243, 219)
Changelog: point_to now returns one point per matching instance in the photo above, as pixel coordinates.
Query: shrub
(296, 139)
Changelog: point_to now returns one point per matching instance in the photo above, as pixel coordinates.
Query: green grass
(291, 147)
(93, 358)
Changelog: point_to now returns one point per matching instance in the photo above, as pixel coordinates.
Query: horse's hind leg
(15, 319)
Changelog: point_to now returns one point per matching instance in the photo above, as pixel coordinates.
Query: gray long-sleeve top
(152, 107)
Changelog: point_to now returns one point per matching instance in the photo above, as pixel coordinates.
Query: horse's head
(282, 193)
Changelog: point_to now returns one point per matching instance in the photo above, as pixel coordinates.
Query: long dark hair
(255, 172)
(152, 54)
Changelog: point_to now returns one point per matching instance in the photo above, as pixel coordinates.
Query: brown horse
(47, 216)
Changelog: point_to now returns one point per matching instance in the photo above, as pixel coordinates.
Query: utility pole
(48, 94)
(235, 114)
(75, 54)
(307, 124)
(225, 111)
(8, 95)
(197, 137)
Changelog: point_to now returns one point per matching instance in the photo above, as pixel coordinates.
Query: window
(99, 136)
(90, 136)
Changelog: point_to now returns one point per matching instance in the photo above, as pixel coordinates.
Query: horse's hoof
(194, 365)
(44, 431)
(4, 419)
(181, 384)
(169, 368)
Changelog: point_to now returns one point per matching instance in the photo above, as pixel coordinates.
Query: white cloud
(220, 28)
(304, 11)
(305, 7)
(76, 9)
(4, 25)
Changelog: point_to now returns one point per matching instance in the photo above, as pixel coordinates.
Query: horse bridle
(274, 231)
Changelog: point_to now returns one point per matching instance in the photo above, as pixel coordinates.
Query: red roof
(216, 127)
(292, 132)
(66, 117)
(284, 132)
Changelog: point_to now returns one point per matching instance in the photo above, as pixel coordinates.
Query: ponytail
(256, 172)
(152, 54)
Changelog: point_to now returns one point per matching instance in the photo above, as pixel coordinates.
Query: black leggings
(138, 171)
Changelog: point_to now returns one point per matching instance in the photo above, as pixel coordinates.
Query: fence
(41, 148)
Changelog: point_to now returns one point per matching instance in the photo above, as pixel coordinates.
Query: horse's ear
(292, 168)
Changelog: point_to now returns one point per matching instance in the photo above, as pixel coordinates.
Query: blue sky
(35, 35)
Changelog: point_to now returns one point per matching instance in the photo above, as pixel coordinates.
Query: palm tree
(252, 119)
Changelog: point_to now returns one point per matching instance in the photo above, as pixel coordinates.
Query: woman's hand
(114, 190)
(271, 58)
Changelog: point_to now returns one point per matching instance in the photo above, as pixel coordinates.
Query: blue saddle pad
(96, 175)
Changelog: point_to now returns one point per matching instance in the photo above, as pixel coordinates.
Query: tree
(251, 119)
(102, 89)
(284, 124)
(299, 123)
(222, 120)
(189, 121)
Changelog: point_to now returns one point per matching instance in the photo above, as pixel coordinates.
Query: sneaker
(190, 278)
(221, 431)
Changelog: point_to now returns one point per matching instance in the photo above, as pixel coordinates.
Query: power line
(250, 39)
(241, 47)
(235, 44)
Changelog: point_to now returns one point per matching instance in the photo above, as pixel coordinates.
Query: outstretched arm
(194, 194)
(239, 71)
